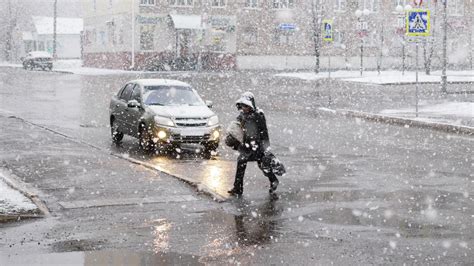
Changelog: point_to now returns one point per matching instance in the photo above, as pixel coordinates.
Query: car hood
(182, 111)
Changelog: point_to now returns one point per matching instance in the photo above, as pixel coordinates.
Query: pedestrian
(255, 143)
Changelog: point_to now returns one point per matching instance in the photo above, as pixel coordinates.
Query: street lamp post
(402, 13)
(362, 31)
(55, 18)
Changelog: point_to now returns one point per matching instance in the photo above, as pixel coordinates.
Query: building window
(283, 37)
(147, 2)
(340, 5)
(111, 31)
(147, 34)
(181, 2)
(283, 4)
(455, 7)
(371, 5)
(371, 39)
(218, 3)
(249, 36)
(120, 36)
(401, 3)
(251, 3)
(219, 42)
(338, 38)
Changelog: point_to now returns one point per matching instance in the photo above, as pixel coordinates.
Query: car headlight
(213, 120)
(164, 121)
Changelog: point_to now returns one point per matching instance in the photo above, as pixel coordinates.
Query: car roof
(159, 82)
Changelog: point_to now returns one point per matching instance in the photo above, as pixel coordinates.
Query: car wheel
(144, 138)
(117, 136)
(209, 149)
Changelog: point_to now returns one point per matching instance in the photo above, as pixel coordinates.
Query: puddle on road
(105, 257)
(253, 224)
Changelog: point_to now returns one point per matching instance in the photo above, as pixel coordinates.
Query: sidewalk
(398, 102)
(386, 77)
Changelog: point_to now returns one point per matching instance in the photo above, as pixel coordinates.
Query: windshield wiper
(160, 104)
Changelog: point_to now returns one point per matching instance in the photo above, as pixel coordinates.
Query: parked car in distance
(38, 59)
(163, 114)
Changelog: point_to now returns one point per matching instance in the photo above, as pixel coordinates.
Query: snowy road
(401, 193)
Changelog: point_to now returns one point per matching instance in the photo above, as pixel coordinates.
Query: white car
(163, 114)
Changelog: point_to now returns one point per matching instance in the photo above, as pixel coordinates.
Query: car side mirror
(209, 104)
(133, 104)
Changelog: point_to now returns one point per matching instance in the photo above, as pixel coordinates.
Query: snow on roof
(40, 54)
(160, 82)
(45, 25)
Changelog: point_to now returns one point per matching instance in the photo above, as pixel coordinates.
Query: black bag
(270, 163)
(232, 142)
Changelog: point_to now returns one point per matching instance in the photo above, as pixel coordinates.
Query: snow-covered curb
(457, 129)
(385, 77)
(16, 200)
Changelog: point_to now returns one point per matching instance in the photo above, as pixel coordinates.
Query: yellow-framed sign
(418, 22)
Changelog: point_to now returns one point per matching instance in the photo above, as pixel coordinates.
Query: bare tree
(316, 10)
(428, 45)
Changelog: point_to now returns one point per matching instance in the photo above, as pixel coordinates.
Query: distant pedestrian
(254, 145)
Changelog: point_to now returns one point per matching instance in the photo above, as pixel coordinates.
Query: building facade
(228, 34)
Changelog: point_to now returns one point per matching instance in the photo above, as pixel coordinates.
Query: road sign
(287, 26)
(327, 30)
(418, 22)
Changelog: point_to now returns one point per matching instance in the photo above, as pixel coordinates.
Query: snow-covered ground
(447, 112)
(385, 77)
(12, 201)
(75, 67)
(453, 113)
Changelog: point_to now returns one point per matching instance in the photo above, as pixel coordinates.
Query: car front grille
(190, 139)
(191, 122)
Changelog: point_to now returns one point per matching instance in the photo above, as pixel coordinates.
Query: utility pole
(470, 32)
(444, 78)
(55, 15)
(132, 65)
(316, 7)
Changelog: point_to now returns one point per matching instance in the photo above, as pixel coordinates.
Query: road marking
(123, 202)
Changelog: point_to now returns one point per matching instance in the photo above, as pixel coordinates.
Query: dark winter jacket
(254, 125)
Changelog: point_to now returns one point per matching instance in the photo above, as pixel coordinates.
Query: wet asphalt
(356, 191)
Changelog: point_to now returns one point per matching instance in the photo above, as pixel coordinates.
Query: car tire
(117, 136)
(144, 138)
(209, 149)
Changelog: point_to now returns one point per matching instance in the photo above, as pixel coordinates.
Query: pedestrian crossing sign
(327, 30)
(418, 22)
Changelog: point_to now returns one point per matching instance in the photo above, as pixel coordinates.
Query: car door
(135, 113)
(121, 112)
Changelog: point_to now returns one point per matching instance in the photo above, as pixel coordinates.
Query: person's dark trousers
(240, 172)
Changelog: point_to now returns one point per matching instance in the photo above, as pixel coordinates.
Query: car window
(127, 92)
(171, 95)
(136, 93)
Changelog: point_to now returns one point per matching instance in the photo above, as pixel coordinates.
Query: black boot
(235, 192)
(273, 186)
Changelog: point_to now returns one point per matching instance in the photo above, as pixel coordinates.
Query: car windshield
(171, 95)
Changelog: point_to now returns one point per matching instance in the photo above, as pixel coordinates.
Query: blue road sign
(287, 26)
(327, 30)
(418, 22)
